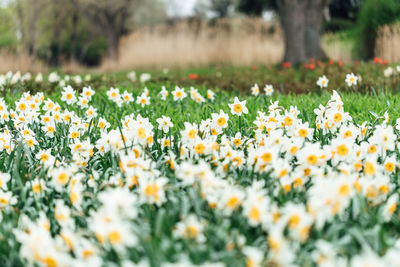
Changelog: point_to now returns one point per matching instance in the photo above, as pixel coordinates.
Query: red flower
(331, 62)
(385, 62)
(377, 60)
(193, 76)
(286, 64)
(254, 67)
(310, 66)
(340, 63)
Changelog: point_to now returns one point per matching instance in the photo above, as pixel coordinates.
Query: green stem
(240, 124)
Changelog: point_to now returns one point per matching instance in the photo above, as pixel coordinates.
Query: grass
(359, 105)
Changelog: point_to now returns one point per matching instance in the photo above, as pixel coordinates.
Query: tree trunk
(74, 38)
(21, 22)
(292, 16)
(55, 38)
(313, 28)
(112, 40)
(301, 22)
(32, 28)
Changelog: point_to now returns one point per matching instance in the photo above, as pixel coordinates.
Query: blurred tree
(345, 9)
(74, 30)
(221, 8)
(109, 17)
(28, 14)
(301, 21)
(201, 9)
(7, 28)
(149, 12)
(55, 31)
(374, 14)
(342, 15)
(65, 35)
(255, 7)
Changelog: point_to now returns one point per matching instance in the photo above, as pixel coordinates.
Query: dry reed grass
(73, 67)
(20, 62)
(337, 48)
(388, 43)
(236, 42)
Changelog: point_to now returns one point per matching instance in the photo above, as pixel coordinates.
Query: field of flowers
(122, 175)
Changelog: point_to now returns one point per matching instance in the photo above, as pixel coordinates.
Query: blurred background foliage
(87, 31)
(374, 14)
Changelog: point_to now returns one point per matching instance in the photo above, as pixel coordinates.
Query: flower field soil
(161, 175)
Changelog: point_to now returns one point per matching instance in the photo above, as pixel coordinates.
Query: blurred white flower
(144, 77)
(132, 76)
(39, 78)
(77, 79)
(53, 77)
(388, 72)
(255, 90)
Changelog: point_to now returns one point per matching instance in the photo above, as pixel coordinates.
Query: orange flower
(286, 64)
(310, 66)
(193, 76)
(377, 60)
